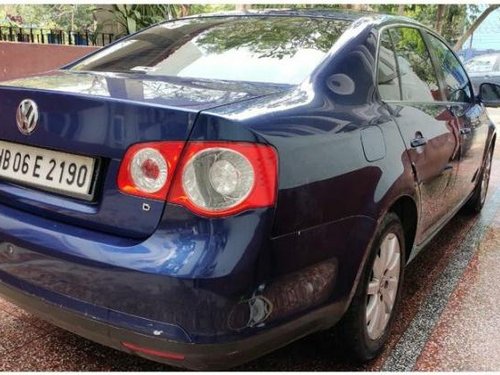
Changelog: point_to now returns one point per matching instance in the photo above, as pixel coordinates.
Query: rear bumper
(183, 281)
(188, 355)
(193, 289)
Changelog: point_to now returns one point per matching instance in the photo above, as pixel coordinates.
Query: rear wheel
(367, 323)
(476, 202)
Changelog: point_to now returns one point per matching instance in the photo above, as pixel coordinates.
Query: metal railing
(47, 36)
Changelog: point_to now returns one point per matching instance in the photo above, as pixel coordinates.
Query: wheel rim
(383, 286)
(486, 178)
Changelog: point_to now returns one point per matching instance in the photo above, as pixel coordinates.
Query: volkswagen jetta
(212, 188)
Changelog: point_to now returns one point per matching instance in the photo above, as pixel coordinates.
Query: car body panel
(321, 115)
(279, 272)
(198, 296)
(101, 116)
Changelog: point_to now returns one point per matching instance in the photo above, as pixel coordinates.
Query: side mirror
(489, 94)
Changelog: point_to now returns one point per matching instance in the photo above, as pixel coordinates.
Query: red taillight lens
(211, 179)
(147, 169)
(224, 178)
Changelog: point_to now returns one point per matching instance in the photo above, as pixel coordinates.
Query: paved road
(449, 317)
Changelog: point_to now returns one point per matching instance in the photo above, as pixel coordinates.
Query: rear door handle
(465, 131)
(417, 142)
(447, 167)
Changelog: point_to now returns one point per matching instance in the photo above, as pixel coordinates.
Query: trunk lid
(100, 116)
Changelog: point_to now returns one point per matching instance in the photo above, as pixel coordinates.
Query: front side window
(457, 86)
(416, 72)
(259, 49)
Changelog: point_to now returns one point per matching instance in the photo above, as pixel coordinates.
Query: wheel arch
(406, 209)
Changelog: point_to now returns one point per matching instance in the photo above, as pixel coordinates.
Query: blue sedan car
(212, 188)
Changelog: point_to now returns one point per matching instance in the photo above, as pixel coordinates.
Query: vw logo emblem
(27, 116)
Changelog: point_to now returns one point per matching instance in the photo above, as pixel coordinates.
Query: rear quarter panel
(342, 161)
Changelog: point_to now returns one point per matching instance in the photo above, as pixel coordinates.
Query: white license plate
(46, 169)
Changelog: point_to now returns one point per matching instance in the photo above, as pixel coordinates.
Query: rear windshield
(259, 49)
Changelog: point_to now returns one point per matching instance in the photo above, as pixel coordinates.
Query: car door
(429, 130)
(470, 114)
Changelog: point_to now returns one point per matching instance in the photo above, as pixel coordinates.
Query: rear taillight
(211, 179)
(147, 169)
(224, 178)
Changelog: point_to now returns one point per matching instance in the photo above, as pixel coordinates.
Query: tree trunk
(242, 7)
(401, 9)
(185, 9)
(359, 7)
(474, 26)
(74, 9)
(438, 26)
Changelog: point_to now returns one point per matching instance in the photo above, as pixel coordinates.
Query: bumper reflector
(153, 352)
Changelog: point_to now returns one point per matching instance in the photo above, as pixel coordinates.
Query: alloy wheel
(383, 286)
(486, 177)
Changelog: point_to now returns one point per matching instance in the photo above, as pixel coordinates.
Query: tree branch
(474, 26)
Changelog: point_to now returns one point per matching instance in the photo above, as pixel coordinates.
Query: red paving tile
(12, 309)
(467, 336)
(457, 342)
(16, 333)
(63, 351)
(421, 275)
(323, 351)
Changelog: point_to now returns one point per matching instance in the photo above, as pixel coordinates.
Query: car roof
(345, 15)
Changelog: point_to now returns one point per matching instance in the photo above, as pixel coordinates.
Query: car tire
(360, 331)
(476, 202)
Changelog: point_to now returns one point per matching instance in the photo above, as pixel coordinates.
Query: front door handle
(417, 142)
(464, 131)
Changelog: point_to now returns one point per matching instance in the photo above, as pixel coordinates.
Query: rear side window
(416, 72)
(457, 87)
(387, 75)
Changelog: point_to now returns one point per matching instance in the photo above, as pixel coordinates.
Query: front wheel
(476, 202)
(366, 326)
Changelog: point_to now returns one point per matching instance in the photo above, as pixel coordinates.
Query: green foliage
(51, 16)
(281, 38)
(209, 8)
(456, 18)
(296, 6)
(410, 45)
(139, 16)
(134, 17)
